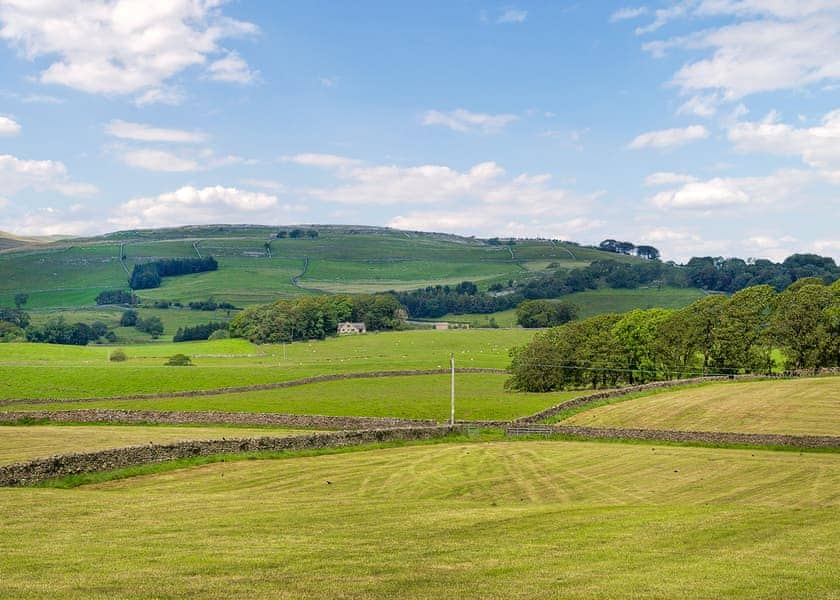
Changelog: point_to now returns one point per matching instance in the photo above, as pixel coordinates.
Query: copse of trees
(437, 300)
(198, 332)
(59, 331)
(116, 297)
(149, 275)
(733, 274)
(543, 313)
(716, 334)
(315, 317)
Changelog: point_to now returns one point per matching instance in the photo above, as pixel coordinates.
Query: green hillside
(255, 266)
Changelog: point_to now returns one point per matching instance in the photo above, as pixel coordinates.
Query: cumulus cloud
(818, 147)
(147, 133)
(669, 138)
(190, 205)
(767, 45)
(701, 105)
(8, 126)
(713, 195)
(122, 46)
(49, 220)
(463, 121)
(233, 69)
(41, 175)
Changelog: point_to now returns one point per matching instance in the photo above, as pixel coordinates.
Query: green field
(596, 302)
(525, 519)
(25, 442)
(478, 397)
(800, 406)
(70, 273)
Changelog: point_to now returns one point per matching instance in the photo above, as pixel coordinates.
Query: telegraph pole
(452, 365)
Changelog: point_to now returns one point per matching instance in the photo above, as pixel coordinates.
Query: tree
(151, 325)
(129, 318)
(118, 355)
(544, 313)
(742, 339)
(179, 360)
(20, 300)
(637, 332)
(648, 252)
(801, 324)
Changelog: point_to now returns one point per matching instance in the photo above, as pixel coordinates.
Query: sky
(702, 127)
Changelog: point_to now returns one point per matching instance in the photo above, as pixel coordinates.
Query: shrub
(178, 360)
(220, 334)
(118, 355)
(129, 318)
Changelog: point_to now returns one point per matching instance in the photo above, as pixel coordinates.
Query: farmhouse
(348, 328)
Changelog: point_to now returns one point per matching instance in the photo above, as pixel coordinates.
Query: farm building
(347, 328)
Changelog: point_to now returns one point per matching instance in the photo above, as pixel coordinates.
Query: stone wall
(36, 471)
(256, 387)
(145, 417)
(703, 437)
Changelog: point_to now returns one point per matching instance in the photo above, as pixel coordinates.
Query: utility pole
(452, 365)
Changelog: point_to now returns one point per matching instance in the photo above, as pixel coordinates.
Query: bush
(178, 360)
(129, 318)
(118, 355)
(153, 326)
(220, 334)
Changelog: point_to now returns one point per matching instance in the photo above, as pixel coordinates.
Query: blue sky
(698, 126)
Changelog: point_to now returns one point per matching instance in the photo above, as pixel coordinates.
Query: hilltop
(257, 266)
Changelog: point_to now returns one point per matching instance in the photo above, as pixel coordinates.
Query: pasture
(808, 406)
(531, 518)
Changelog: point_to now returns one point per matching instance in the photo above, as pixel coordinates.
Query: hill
(257, 266)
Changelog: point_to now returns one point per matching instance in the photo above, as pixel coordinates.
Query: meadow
(809, 406)
(524, 519)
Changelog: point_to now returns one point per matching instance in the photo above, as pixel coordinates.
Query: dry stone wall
(36, 471)
(144, 417)
(703, 437)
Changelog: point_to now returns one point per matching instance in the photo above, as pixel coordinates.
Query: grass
(596, 302)
(478, 397)
(808, 406)
(70, 273)
(44, 371)
(25, 442)
(535, 519)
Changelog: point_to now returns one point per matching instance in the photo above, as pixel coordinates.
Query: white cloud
(172, 96)
(121, 46)
(231, 68)
(465, 121)
(630, 12)
(830, 247)
(41, 175)
(328, 82)
(819, 146)
(147, 133)
(664, 178)
(49, 220)
(669, 138)
(701, 105)
(712, 195)
(767, 45)
(189, 205)
(325, 161)
(8, 126)
(158, 160)
(512, 15)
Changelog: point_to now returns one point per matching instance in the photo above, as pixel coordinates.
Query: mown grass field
(479, 397)
(809, 406)
(254, 266)
(524, 519)
(25, 442)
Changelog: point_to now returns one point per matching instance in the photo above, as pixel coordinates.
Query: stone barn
(348, 328)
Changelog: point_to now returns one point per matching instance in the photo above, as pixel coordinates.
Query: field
(25, 442)
(596, 302)
(255, 266)
(799, 406)
(525, 519)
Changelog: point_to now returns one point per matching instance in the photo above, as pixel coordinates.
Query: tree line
(149, 275)
(715, 335)
(315, 317)
(437, 300)
(198, 332)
